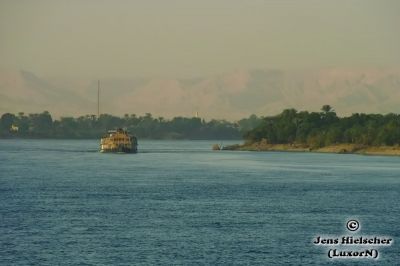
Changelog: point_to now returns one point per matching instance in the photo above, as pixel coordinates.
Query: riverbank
(345, 148)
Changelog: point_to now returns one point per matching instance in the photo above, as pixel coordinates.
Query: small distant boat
(216, 147)
(118, 141)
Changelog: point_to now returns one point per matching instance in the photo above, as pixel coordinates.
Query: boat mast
(98, 99)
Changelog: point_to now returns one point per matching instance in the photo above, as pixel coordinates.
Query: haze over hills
(231, 95)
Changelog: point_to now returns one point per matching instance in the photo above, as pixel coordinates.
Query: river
(178, 202)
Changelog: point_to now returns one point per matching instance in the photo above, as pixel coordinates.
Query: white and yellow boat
(118, 141)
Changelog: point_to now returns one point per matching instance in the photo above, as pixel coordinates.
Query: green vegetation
(43, 126)
(313, 129)
(320, 129)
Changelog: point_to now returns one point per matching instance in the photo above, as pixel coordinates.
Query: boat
(118, 141)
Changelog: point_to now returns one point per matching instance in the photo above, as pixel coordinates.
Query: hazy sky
(93, 38)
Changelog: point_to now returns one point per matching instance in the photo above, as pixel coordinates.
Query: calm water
(178, 202)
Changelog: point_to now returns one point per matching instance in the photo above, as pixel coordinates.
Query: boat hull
(119, 150)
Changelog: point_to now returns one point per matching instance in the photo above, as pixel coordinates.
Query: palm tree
(327, 108)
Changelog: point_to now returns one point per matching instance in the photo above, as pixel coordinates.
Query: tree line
(42, 125)
(318, 129)
(315, 129)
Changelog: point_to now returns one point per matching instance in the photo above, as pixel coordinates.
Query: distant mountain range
(232, 95)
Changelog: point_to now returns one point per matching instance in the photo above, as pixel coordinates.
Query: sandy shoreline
(338, 148)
